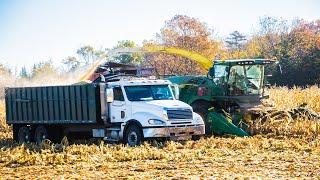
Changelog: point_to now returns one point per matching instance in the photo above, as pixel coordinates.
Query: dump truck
(116, 109)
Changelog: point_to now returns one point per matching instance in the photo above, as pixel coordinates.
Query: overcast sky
(33, 31)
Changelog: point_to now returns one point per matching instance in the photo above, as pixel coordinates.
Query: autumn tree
(303, 52)
(6, 79)
(44, 68)
(271, 35)
(4, 70)
(187, 33)
(294, 46)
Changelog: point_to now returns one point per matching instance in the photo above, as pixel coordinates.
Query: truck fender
(198, 119)
(140, 119)
(143, 118)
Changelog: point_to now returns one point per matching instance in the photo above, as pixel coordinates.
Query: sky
(37, 30)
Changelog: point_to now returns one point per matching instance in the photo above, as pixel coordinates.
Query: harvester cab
(241, 80)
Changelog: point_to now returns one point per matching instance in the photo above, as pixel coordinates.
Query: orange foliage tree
(186, 33)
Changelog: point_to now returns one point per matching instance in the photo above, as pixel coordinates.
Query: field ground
(213, 157)
(291, 149)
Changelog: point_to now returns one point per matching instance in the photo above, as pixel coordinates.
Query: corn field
(284, 148)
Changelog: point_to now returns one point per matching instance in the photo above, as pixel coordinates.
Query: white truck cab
(139, 108)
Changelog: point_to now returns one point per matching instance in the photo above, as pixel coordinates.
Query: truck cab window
(117, 93)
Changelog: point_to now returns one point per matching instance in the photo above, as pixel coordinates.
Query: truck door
(118, 106)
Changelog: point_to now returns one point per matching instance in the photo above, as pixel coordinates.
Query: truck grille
(179, 114)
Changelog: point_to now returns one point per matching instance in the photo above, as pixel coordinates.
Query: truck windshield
(148, 92)
(245, 79)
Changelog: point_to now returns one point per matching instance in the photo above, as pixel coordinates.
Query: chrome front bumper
(174, 132)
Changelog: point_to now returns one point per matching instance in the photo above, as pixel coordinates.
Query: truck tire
(40, 134)
(133, 136)
(24, 135)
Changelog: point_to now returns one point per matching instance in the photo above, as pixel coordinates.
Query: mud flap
(221, 125)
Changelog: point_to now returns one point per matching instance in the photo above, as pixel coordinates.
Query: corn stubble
(282, 148)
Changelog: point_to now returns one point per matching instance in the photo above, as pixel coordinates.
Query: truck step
(110, 140)
(113, 129)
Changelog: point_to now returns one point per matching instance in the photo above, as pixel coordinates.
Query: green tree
(130, 58)
(86, 53)
(100, 54)
(23, 72)
(235, 41)
(71, 62)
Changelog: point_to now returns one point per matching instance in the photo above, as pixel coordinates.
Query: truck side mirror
(175, 89)
(103, 79)
(109, 95)
(279, 67)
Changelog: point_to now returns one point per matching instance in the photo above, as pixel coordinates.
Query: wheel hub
(132, 139)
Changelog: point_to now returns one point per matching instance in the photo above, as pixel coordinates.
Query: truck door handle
(123, 114)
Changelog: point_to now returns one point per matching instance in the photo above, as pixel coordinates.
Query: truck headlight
(156, 122)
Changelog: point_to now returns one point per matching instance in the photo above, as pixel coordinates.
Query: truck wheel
(24, 135)
(40, 134)
(133, 136)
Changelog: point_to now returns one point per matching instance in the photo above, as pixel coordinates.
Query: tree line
(295, 44)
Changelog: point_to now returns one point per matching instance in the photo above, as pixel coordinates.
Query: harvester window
(245, 79)
(220, 75)
(254, 74)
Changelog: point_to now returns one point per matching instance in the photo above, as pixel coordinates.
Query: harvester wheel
(40, 134)
(201, 107)
(24, 135)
